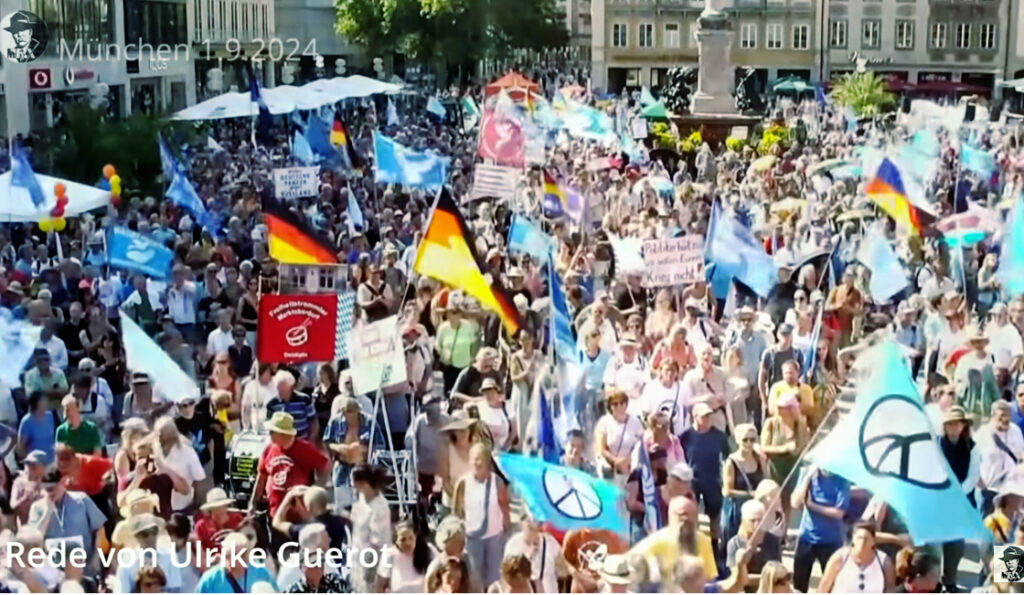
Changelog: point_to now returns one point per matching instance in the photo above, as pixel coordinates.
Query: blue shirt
(300, 407)
(75, 516)
(817, 529)
(215, 580)
(1016, 415)
(705, 452)
(593, 369)
(39, 434)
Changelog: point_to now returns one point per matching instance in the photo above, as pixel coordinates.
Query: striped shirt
(300, 407)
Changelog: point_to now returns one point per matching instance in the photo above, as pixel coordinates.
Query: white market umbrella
(18, 206)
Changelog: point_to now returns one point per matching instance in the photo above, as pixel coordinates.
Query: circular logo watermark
(23, 36)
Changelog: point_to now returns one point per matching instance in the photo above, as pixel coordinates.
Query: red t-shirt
(91, 474)
(210, 534)
(285, 469)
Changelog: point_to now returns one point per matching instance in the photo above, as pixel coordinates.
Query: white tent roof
(19, 208)
(288, 98)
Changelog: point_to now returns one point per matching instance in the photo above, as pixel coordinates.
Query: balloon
(116, 201)
(109, 171)
(60, 223)
(58, 211)
(62, 200)
(46, 225)
(115, 189)
(60, 189)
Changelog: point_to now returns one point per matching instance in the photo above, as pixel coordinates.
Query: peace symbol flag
(564, 497)
(886, 445)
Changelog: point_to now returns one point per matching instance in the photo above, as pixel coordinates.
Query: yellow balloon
(59, 224)
(46, 225)
(115, 189)
(115, 179)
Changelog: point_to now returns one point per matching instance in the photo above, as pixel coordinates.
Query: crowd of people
(715, 390)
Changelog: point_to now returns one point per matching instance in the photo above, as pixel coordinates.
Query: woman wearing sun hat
(965, 461)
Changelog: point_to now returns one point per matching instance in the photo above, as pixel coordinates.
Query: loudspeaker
(969, 112)
(905, 104)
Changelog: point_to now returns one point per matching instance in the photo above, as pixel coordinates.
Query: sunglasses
(616, 402)
(146, 534)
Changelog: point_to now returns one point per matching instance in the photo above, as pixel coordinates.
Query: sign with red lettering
(297, 328)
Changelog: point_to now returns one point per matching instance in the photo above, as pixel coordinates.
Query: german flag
(447, 253)
(292, 241)
(339, 135)
(888, 191)
(341, 139)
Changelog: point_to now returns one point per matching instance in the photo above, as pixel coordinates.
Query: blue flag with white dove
(183, 194)
(1011, 257)
(23, 177)
(886, 445)
(735, 252)
(398, 164)
(127, 249)
(566, 498)
(301, 151)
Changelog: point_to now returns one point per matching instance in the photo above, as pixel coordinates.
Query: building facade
(934, 44)
(104, 52)
(635, 42)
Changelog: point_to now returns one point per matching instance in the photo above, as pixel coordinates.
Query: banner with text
(674, 262)
(296, 182)
(376, 356)
(297, 328)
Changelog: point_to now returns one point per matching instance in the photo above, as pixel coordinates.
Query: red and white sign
(40, 78)
(297, 328)
(501, 139)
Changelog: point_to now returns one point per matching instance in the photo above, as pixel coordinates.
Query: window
(987, 36)
(671, 35)
(938, 36)
(748, 36)
(837, 33)
(773, 36)
(620, 35)
(963, 36)
(872, 34)
(904, 35)
(646, 35)
(801, 37)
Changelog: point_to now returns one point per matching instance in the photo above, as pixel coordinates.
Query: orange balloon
(108, 171)
(60, 223)
(59, 189)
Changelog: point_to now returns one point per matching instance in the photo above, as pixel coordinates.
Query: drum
(243, 462)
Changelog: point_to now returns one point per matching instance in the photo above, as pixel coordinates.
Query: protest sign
(297, 328)
(674, 262)
(296, 182)
(376, 356)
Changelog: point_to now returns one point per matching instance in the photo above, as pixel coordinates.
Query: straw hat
(138, 496)
(956, 413)
(216, 498)
(615, 570)
(460, 420)
(143, 522)
(282, 423)
(974, 334)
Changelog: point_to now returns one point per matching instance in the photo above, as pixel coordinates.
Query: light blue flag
(183, 194)
(526, 236)
(168, 163)
(355, 214)
(887, 275)
(646, 98)
(397, 164)
(567, 498)
(18, 340)
(23, 177)
(649, 490)
(561, 322)
(1011, 257)
(145, 356)
(737, 254)
(434, 106)
(810, 358)
(301, 150)
(392, 114)
(926, 142)
(214, 146)
(886, 445)
(550, 450)
(130, 250)
(318, 135)
(977, 161)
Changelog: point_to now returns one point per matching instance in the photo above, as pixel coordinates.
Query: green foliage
(86, 140)
(451, 31)
(692, 142)
(664, 138)
(774, 135)
(735, 144)
(865, 92)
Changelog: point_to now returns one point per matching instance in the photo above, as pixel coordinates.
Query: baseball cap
(681, 471)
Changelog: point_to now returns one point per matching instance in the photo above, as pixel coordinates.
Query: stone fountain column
(714, 83)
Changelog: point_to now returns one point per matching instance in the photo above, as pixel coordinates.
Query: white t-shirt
(542, 558)
(219, 341)
(254, 404)
(630, 377)
(185, 462)
(475, 505)
(403, 576)
(620, 437)
(1004, 343)
(674, 399)
(497, 422)
(8, 411)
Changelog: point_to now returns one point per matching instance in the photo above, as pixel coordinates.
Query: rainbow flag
(560, 200)
(888, 190)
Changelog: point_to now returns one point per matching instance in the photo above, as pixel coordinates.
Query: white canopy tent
(19, 208)
(288, 98)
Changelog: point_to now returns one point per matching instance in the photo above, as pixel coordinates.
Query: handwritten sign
(376, 356)
(674, 262)
(296, 182)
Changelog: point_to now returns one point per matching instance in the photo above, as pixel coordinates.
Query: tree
(450, 32)
(85, 140)
(865, 92)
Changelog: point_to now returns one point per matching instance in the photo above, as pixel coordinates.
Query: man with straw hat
(286, 462)
(217, 519)
(133, 503)
(975, 375)
(146, 529)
